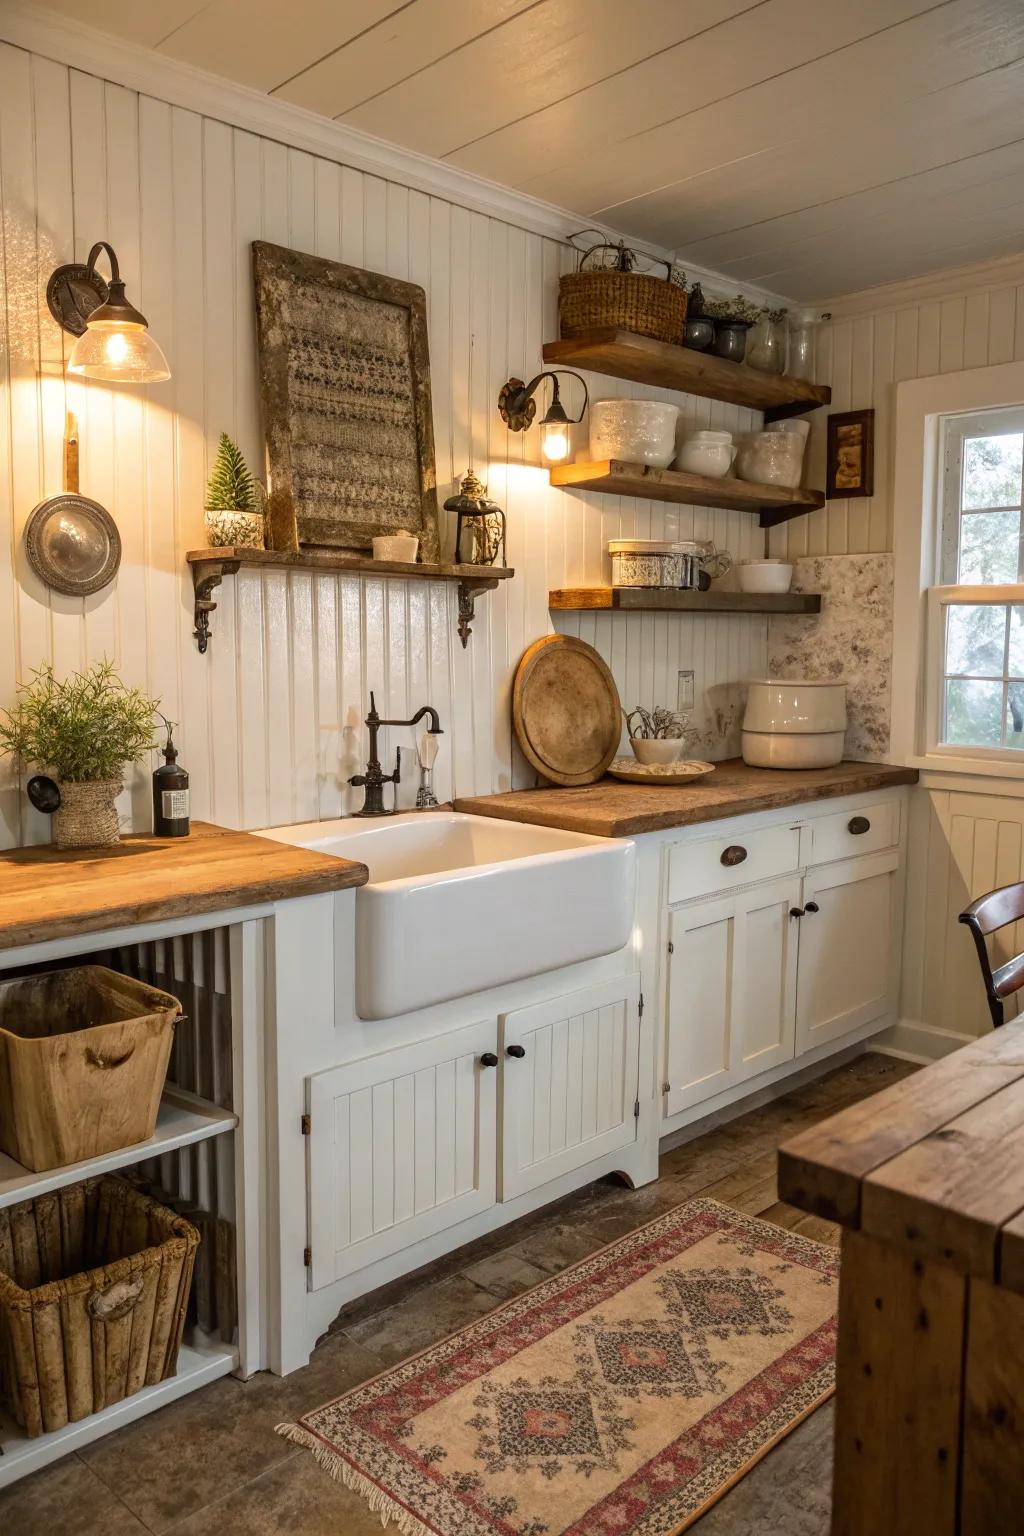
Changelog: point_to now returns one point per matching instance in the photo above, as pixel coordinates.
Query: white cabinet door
(569, 1082)
(731, 991)
(848, 948)
(401, 1145)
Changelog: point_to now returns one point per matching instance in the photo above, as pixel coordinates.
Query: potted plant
(84, 731)
(234, 514)
(658, 736)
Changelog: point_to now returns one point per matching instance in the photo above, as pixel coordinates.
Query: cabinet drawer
(847, 833)
(720, 863)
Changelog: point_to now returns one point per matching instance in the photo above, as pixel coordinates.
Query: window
(977, 615)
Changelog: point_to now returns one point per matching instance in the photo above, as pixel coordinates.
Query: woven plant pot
(628, 301)
(244, 530)
(87, 818)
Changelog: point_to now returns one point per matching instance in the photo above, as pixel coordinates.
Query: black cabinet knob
(518, 1051)
(812, 906)
(488, 1059)
(796, 911)
(734, 854)
(858, 825)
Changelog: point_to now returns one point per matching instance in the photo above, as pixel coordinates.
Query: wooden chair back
(984, 917)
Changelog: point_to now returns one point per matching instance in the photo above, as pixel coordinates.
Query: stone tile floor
(211, 1465)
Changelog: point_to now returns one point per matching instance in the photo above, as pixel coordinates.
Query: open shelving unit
(774, 503)
(672, 600)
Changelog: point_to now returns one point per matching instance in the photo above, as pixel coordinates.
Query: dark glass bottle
(170, 796)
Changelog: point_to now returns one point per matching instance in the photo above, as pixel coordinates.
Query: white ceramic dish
(801, 707)
(764, 575)
(658, 773)
(639, 431)
(402, 547)
(772, 749)
(648, 750)
(707, 453)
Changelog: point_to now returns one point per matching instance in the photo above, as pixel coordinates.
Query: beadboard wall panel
(270, 719)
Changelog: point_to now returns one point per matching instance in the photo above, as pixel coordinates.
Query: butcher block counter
(927, 1180)
(613, 809)
(50, 893)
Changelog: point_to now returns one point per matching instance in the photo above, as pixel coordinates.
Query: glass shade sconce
(113, 340)
(518, 407)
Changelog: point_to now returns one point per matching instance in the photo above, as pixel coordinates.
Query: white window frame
(919, 597)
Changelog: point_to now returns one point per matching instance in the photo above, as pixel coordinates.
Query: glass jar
(766, 350)
(802, 343)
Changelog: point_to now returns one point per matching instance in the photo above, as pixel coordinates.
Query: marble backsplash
(851, 639)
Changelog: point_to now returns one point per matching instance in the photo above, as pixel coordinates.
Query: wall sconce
(113, 337)
(518, 408)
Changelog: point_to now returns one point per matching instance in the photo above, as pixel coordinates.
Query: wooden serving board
(565, 710)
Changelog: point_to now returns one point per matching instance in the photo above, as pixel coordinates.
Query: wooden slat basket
(94, 1285)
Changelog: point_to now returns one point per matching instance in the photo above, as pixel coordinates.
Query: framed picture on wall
(850, 463)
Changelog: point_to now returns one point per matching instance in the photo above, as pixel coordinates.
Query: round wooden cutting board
(565, 710)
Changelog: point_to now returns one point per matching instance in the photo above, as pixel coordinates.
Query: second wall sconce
(113, 336)
(518, 407)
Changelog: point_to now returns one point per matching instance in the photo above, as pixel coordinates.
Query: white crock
(707, 453)
(638, 431)
(772, 749)
(801, 707)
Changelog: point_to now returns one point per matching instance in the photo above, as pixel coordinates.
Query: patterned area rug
(620, 1398)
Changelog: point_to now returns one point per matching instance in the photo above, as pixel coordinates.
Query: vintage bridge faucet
(374, 779)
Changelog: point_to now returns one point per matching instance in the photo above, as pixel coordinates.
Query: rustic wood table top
(613, 809)
(933, 1166)
(48, 893)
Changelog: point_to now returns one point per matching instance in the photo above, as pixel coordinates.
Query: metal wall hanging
(345, 377)
(71, 542)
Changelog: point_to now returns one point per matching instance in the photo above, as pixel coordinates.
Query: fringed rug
(620, 1398)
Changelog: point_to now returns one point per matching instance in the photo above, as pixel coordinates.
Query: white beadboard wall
(270, 720)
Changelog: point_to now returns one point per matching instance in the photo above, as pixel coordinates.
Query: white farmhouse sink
(456, 904)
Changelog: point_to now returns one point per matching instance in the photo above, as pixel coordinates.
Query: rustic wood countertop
(49, 893)
(613, 809)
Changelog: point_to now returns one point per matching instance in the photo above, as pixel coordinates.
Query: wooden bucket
(83, 1058)
(94, 1283)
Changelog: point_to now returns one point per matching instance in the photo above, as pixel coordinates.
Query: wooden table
(927, 1180)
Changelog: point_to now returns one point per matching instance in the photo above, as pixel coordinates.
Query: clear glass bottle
(766, 349)
(802, 343)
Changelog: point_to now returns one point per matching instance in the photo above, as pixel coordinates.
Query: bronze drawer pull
(488, 1059)
(518, 1051)
(857, 825)
(734, 854)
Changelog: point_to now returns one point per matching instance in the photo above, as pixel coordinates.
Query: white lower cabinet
(848, 964)
(401, 1145)
(569, 1082)
(731, 990)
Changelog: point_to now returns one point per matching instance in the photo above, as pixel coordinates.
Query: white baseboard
(910, 1040)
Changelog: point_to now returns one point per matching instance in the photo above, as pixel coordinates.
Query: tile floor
(211, 1465)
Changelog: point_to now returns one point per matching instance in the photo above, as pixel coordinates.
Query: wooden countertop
(612, 809)
(932, 1165)
(48, 893)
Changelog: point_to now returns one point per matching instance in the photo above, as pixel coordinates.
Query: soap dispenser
(170, 793)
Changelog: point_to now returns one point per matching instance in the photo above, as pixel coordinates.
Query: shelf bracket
(205, 580)
(468, 593)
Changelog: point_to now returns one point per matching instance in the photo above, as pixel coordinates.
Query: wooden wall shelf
(624, 355)
(774, 503)
(210, 566)
(671, 600)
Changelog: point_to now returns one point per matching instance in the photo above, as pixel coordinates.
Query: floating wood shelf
(774, 503)
(625, 355)
(210, 566)
(671, 600)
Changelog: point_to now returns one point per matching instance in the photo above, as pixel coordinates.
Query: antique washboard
(345, 379)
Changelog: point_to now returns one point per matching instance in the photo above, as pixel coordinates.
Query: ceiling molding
(1000, 272)
(78, 46)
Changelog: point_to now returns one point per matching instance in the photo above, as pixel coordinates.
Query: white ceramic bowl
(764, 575)
(802, 707)
(639, 431)
(647, 750)
(396, 546)
(770, 749)
(707, 453)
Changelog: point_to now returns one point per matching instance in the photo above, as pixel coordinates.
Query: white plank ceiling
(811, 146)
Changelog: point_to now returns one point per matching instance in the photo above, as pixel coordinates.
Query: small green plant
(655, 724)
(84, 729)
(231, 487)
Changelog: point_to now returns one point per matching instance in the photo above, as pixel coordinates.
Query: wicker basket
(83, 1057)
(628, 301)
(87, 816)
(94, 1282)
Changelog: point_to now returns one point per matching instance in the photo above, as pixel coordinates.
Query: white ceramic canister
(803, 706)
(638, 431)
(707, 453)
(771, 458)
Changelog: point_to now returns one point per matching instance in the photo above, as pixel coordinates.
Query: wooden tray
(632, 772)
(565, 710)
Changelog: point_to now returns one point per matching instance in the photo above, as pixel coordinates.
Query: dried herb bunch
(739, 310)
(84, 729)
(655, 724)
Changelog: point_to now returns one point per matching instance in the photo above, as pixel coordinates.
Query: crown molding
(1000, 272)
(72, 43)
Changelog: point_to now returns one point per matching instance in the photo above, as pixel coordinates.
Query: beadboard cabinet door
(401, 1145)
(569, 1082)
(849, 961)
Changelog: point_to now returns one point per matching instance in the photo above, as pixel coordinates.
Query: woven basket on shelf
(94, 1283)
(628, 301)
(87, 817)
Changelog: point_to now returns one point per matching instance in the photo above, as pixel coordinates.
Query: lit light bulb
(116, 348)
(554, 441)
